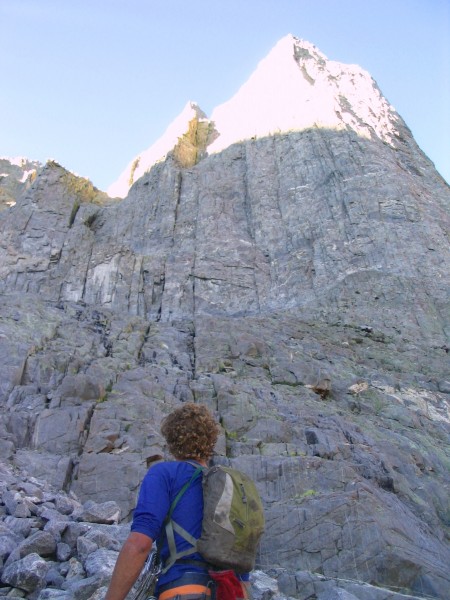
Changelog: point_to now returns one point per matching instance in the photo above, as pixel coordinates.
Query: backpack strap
(171, 527)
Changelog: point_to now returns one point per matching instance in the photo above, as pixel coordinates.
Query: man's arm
(128, 566)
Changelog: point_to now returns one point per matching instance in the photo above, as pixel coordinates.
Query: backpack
(233, 521)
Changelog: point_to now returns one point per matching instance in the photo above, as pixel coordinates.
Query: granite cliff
(285, 262)
(16, 175)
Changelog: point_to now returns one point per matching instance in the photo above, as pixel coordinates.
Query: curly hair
(190, 432)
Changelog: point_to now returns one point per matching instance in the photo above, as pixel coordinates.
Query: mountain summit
(294, 88)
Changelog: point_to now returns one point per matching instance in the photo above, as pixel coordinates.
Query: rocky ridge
(296, 283)
(294, 88)
(16, 175)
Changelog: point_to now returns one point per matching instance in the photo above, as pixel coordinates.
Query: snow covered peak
(286, 48)
(296, 87)
(157, 152)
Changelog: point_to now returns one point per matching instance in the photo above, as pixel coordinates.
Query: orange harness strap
(191, 588)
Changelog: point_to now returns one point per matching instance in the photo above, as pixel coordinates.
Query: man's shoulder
(170, 474)
(171, 467)
(162, 466)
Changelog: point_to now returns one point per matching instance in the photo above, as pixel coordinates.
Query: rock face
(297, 283)
(186, 139)
(16, 175)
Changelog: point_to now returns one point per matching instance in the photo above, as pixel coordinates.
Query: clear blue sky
(91, 83)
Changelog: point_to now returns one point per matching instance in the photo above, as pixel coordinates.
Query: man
(191, 434)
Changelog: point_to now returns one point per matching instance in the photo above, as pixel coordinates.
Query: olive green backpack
(233, 521)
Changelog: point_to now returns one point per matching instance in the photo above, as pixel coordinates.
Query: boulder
(27, 573)
(41, 542)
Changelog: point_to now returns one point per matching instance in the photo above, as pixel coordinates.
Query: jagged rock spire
(181, 134)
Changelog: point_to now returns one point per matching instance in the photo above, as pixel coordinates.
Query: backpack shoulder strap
(182, 491)
(170, 526)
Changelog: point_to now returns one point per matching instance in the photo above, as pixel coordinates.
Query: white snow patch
(18, 161)
(26, 174)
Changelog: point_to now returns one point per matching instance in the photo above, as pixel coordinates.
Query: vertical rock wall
(298, 286)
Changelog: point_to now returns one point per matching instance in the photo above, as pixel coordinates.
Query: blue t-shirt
(158, 490)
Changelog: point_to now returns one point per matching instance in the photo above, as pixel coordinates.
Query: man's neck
(201, 461)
